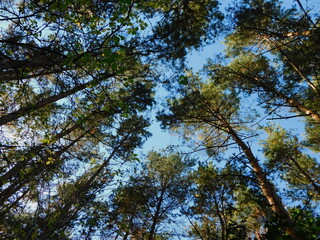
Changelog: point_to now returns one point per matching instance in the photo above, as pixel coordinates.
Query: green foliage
(306, 220)
(77, 82)
(285, 155)
(148, 199)
(265, 62)
(187, 24)
(226, 204)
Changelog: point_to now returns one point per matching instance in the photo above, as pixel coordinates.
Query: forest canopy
(79, 84)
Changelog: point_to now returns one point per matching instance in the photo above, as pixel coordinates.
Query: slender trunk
(293, 103)
(269, 34)
(65, 216)
(14, 171)
(16, 201)
(35, 171)
(266, 186)
(307, 176)
(22, 69)
(295, 67)
(45, 102)
(290, 101)
(13, 75)
(37, 59)
(156, 215)
(222, 222)
(299, 34)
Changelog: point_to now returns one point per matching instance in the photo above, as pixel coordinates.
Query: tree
(286, 155)
(216, 208)
(152, 197)
(306, 219)
(76, 78)
(267, 59)
(211, 110)
(272, 46)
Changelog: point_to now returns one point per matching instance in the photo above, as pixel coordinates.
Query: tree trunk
(14, 171)
(37, 59)
(65, 216)
(156, 215)
(293, 64)
(35, 171)
(293, 103)
(289, 100)
(266, 186)
(221, 219)
(44, 102)
(307, 176)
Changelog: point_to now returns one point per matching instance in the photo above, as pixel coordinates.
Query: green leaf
(183, 80)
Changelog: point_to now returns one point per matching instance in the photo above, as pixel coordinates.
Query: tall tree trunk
(306, 175)
(293, 65)
(35, 171)
(292, 102)
(37, 59)
(155, 218)
(289, 100)
(45, 102)
(14, 171)
(266, 186)
(221, 219)
(65, 216)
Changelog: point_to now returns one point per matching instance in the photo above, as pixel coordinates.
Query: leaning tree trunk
(45, 102)
(294, 104)
(266, 186)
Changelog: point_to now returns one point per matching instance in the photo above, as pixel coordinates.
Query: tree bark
(21, 164)
(289, 100)
(35, 171)
(45, 102)
(307, 175)
(266, 186)
(156, 215)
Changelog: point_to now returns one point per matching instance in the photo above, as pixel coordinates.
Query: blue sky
(160, 138)
(196, 59)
